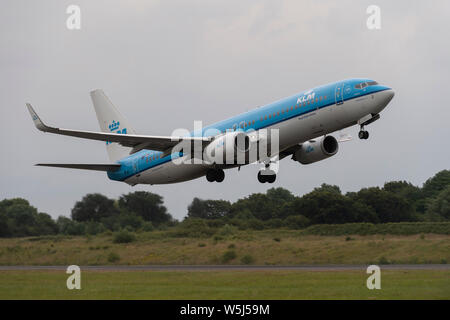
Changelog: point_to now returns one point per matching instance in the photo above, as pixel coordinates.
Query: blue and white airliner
(303, 121)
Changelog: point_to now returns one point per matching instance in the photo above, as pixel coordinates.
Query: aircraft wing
(137, 142)
(96, 167)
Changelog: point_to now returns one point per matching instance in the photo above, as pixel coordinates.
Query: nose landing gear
(363, 134)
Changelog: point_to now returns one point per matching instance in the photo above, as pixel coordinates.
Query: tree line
(396, 201)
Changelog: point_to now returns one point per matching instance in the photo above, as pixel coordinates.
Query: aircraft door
(339, 94)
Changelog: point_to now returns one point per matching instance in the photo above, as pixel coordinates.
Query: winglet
(37, 121)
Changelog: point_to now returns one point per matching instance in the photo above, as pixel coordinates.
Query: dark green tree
(389, 207)
(436, 184)
(149, 206)
(324, 206)
(208, 209)
(441, 204)
(93, 207)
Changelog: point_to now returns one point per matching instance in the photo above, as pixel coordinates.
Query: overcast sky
(166, 63)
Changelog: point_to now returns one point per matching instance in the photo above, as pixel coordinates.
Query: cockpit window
(365, 84)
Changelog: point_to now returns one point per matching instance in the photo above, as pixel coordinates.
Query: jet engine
(316, 150)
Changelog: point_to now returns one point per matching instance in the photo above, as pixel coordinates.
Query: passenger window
(253, 122)
(265, 118)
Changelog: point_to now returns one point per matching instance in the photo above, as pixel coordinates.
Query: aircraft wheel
(363, 134)
(220, 175)
(210, 176)
(261, 177)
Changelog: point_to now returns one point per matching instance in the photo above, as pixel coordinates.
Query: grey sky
(165, 64)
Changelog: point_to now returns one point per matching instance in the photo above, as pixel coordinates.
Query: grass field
(395, 284)
(268, 247)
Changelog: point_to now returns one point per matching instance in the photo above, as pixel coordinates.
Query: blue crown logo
(114, 125)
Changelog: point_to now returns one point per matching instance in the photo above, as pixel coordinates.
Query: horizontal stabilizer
(96, 167)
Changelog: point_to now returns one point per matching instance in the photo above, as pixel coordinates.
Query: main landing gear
(267, 176)
(215, 175)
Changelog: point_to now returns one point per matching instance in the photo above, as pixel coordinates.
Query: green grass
(267, 247)
(277, 284)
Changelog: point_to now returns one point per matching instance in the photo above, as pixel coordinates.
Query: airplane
(303, 122)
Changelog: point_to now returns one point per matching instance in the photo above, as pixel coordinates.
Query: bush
(124, 236)
(227, 230)
(228, 256)
(383, 260)
(113, 257)
(147, 226)
(296, 222)
(193, 227)
(398, 228)
(247, 259)
(274, 223)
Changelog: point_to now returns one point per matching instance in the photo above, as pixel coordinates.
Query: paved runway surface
(233, 267)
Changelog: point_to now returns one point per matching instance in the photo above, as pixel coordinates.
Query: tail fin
(111, 120)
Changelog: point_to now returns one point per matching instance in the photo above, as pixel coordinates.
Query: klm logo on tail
(114, 127)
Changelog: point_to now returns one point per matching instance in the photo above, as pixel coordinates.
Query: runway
(126, 268)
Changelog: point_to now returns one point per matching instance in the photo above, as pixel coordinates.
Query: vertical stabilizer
(111, 120)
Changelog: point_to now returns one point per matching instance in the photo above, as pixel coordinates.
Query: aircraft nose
(390, 94)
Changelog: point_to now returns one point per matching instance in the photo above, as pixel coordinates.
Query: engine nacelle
(316, 150)
(230, 148)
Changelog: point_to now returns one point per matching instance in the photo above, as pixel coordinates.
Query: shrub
(296, 222)
(193, 227)
(274, 223)
(201, 245)
(232, 246)
(113, 257)
(227, 230)
(228, 256)
(247, 259)
(147, 226)
(124, 236)
(398, 228)
(383, 260)
(276, 239)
